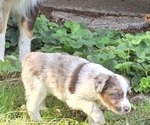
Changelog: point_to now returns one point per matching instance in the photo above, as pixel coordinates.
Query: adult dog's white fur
(83, 85)
(23, 10)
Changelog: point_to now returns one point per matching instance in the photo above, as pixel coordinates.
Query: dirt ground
(47, 11)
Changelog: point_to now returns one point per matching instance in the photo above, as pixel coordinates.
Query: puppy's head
(113, 91)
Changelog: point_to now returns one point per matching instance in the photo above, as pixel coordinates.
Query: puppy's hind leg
(35, 98)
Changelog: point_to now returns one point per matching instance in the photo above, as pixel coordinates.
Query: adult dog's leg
(26, 27)
(4, 15)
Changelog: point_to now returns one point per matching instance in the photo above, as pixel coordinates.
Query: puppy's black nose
(126, 108)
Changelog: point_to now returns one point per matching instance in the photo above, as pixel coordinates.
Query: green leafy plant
(145, 84)
(122, 53)
(10, 65)
(12, 35)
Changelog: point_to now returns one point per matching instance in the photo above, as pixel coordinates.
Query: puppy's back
(54, 69)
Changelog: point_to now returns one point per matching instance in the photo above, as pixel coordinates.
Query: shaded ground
(118, 7)
(127, 15)
(60, 17)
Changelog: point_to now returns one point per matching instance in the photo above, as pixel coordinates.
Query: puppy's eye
(116, 95)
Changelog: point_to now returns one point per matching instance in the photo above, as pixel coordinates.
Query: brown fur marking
(75, 78)
(24, 25)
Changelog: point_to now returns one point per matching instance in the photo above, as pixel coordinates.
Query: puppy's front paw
(35, 116)
(98, 118)
(92, 122)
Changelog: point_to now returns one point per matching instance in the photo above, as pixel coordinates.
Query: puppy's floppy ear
(100, 81)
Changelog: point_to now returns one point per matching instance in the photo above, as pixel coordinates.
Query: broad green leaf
(110, 64)
(52, 24)
(121, 54)
(11, 57)
(88, 43)
(61, 32)
(75, 44)
(93, 58)
(77, 53)
(7, 45)
(139, 52)
(75, 27)
(68, 24)
(124, 65)
(136, 41)
(147, 32)
(138, 66)
(123, 47)
(135, 80)
(145, 84)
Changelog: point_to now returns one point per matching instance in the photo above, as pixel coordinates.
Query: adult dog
(26, 10)
(83, 85)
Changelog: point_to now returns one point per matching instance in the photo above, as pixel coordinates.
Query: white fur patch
(125, 87)
(24, 44)
(2, 46)
(22, 7)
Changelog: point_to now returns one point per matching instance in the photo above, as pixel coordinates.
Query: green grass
(57, 112)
